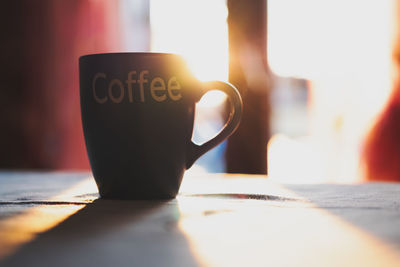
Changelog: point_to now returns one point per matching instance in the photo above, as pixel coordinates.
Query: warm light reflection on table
(24, 227)
(224, 231)
(217, 220)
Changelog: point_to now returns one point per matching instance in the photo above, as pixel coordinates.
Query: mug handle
(195, 151)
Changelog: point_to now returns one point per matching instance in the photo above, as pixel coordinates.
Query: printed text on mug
(136, 85)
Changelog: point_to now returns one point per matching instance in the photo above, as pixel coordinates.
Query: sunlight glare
(197, 30)
(344, 50)
(211, 99)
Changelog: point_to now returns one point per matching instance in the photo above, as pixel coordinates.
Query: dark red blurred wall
(41, 41)
(381, 151)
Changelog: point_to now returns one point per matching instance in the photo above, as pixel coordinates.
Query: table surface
(56, 219)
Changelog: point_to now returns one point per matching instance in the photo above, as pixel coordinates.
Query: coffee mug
(137, 116)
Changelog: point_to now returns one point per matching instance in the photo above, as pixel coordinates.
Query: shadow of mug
(111, 233)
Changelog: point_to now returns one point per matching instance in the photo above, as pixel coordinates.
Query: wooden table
(56, 219)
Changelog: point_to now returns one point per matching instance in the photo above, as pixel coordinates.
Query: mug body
(137, 116)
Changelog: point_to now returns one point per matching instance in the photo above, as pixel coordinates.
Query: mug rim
(144, 54)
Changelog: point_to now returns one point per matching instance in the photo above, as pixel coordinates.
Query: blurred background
(319, 80)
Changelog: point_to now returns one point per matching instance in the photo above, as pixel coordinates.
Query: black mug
(137, 116)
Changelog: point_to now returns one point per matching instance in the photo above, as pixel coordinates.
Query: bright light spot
(292, 161)
(213, 98)
(312, 38)
(197, 30)
(344, 48)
